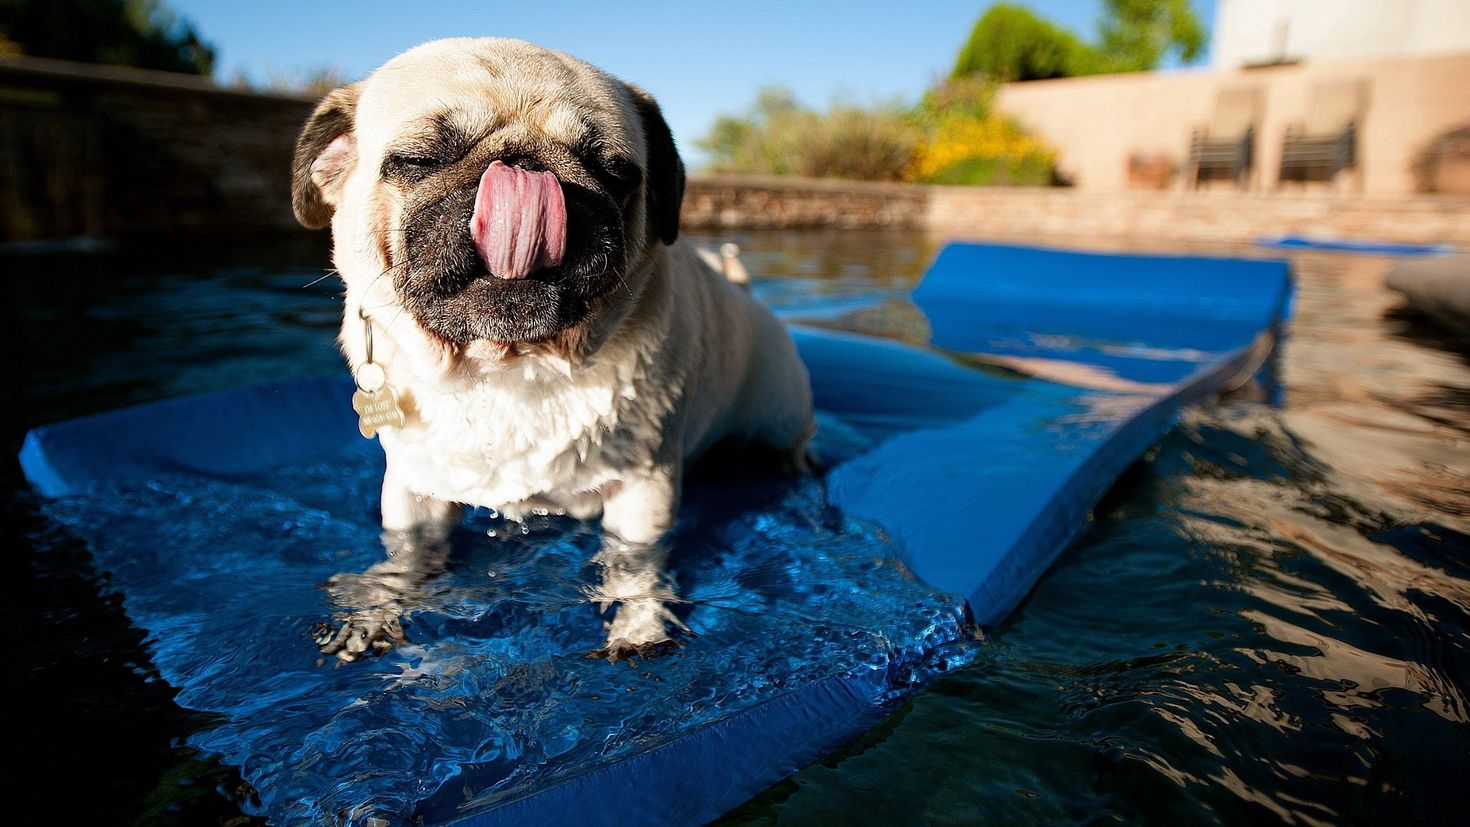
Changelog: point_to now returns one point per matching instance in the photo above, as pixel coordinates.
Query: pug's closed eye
(615, 172)
(411, 166)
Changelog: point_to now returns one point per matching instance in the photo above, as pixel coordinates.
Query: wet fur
(637, 356)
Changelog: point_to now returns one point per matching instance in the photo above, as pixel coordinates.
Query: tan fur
(603, 417)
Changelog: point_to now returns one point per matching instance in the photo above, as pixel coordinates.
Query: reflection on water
(1268, 621)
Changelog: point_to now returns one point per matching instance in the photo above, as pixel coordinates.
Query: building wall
(1257, 31)
(1096, 123)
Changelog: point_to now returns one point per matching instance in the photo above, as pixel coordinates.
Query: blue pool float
(956, 473)
(1350, 245)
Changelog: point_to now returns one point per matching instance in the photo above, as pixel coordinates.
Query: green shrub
(872, 145)
(1009, 43)
(781, 137)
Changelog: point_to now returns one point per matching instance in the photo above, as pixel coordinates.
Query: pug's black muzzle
(446, 286)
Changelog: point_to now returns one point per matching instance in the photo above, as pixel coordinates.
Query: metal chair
(1327, 144)
(1225, 147)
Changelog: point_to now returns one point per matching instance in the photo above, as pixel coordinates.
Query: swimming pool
(1267, 618)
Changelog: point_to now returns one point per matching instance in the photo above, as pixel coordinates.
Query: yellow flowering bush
(966, 142)
(993, 149)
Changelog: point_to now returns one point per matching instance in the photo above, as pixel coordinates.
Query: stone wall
(108, 151)
(749, 202)
(1197, 216)
(727, 202)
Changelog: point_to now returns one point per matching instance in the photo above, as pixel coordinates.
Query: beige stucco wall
(1097, 122)
(1256, 31)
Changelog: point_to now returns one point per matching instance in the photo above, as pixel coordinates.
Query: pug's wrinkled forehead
(452, 102)
(454, 95)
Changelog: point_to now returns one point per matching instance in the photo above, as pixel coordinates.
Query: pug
(526, 329)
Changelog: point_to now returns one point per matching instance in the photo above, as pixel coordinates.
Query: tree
(142, 33)
(1136, 35)
(1010, 43)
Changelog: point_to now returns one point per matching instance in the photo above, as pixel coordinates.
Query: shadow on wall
(89, 150)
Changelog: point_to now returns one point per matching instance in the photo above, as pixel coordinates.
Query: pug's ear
(325, 153)
(665, 182)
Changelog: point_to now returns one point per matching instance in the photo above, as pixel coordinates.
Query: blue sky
(699, 59)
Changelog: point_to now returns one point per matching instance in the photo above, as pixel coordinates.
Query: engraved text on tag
(377, 410)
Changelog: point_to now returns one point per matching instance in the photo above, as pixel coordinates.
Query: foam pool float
(1354, 245)
(956, 472)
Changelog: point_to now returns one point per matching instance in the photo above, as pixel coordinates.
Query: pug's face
(503, 190)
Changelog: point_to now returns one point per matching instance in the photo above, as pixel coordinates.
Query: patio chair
(1327, 144)
(1225, 147)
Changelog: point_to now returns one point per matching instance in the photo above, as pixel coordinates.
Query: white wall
(1249, 31)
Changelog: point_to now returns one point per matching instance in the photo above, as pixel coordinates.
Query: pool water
(493, 696)
(1266, 621)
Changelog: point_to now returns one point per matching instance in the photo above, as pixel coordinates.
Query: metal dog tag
(376, 410)
(374, 400)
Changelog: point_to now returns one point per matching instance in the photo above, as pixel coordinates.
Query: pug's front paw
(371, 631)
(640, 629)
(626, 650)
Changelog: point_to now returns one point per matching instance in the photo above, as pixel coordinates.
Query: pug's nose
(520, 221)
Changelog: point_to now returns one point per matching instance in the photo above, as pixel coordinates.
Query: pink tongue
(520, 221)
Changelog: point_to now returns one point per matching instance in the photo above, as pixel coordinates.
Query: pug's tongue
(520, 221)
